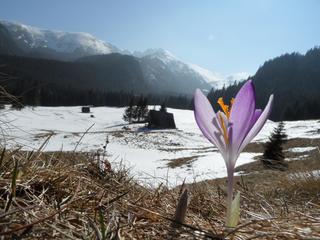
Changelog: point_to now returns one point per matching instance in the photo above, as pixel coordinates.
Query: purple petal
(242, 113)
(258, 124)
(218, 134)
(255, 117)
(204, 116)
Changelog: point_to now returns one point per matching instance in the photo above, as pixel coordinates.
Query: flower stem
(229, 196)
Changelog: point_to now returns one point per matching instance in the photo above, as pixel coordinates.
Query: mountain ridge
(30, 38)
(69, 46)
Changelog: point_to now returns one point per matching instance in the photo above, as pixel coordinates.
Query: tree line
(36, 93)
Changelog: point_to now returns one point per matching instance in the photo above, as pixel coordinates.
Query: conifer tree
(137, 109)
(273, 156)
(144, 109)
(129, 112)
(140, 112)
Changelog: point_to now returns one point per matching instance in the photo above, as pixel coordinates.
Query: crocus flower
(231, 129)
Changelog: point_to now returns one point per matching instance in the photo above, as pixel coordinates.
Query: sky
(225, 36)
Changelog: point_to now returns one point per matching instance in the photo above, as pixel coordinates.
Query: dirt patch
(118, 134)
(257, 147)
(44, 134)
(147, 139)
(179, 162)
(302, 142)
(177, 149)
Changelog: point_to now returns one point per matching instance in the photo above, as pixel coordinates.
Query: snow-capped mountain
(169, 73)
(216, 80)
(161, 69)
(31, 39)
(237, 77)
(166, 60)
(164, 55)
(175, 65)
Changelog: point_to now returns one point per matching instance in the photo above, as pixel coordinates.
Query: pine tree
(144, 111)
(273, 156)
(129, 112)
(140, 112)
(137, 109)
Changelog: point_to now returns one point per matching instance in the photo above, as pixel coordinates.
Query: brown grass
(67, 196)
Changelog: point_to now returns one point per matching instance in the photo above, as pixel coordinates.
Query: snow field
(146, 152)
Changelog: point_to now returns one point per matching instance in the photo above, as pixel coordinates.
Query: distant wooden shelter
(161, 119)
(85, 109)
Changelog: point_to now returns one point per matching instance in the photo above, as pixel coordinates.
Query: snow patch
(302, 157)
(301, 149)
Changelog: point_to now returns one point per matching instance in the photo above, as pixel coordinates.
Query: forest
(41, 82)
(294, 79)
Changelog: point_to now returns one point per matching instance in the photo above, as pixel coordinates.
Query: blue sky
(223, 36)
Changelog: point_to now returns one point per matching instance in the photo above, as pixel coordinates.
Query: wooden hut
(160, 119)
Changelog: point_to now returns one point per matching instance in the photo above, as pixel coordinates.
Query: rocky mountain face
(7, 45)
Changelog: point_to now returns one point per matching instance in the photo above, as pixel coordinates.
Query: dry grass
(67, 196)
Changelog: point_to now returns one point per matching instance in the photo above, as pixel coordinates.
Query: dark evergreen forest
(41, 82)
(294, 79)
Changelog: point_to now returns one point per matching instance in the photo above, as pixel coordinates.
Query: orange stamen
(224, 129)
(225, 108)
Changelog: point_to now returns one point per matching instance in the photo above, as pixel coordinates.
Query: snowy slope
(218, 80)
(28, 38)
(175, 64)
(164, 55)
(237, 77)
(167, 60)
(168, 73)
(214, 79)
(146, 152)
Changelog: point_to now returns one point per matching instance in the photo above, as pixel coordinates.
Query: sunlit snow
(146, 152)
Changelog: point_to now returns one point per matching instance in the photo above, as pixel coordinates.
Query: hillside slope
(294, 79)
